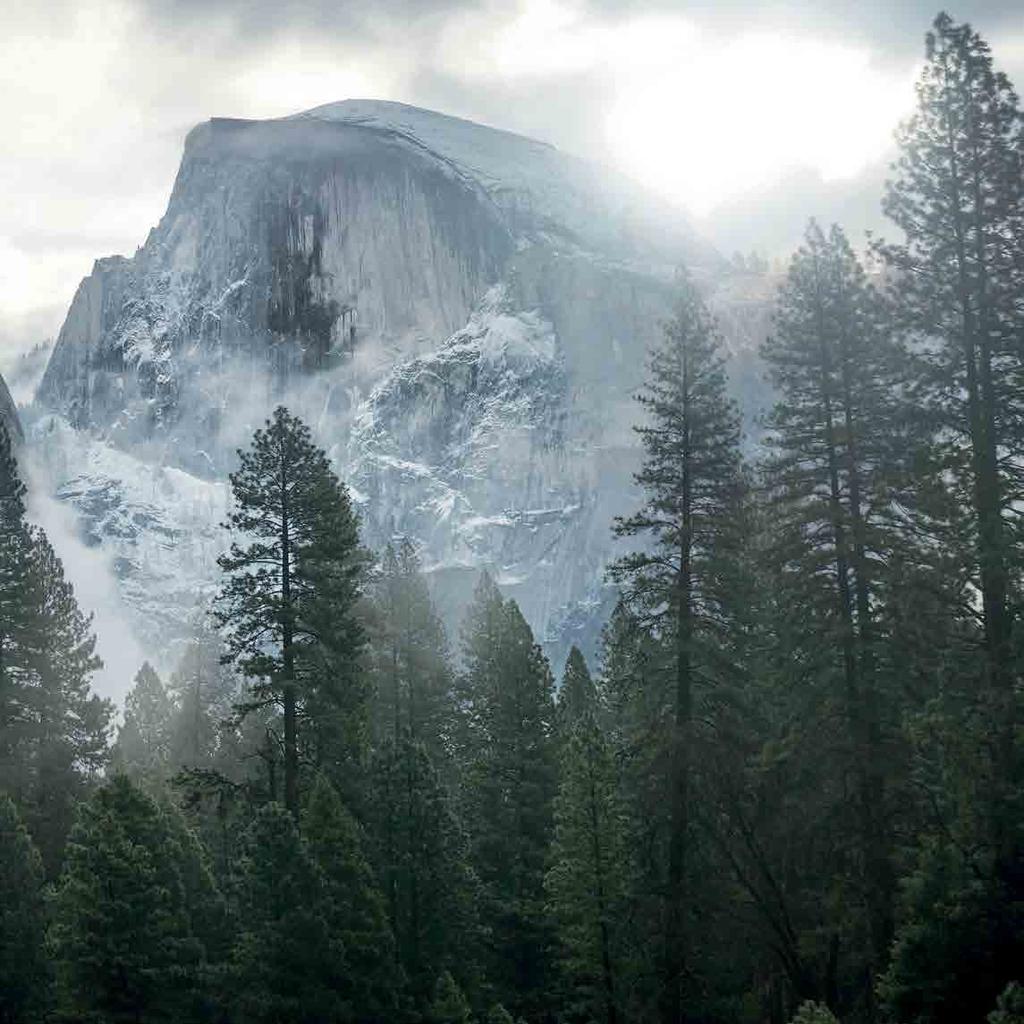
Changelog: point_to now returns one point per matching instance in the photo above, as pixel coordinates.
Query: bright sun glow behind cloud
(720, 123)
(702, 118)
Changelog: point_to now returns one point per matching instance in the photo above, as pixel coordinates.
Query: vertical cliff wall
(462, 315)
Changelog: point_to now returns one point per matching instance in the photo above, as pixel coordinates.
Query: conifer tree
(21, 638)
(958, 195)
(203, 690)
(449, 1005)
(838, 440)
(53, 730)
(209, 917)
(410, 654)
(586, 880)
(143, 745)
(123, 936)
(23, 967)
(690, 478)
(70, 726)
(508, 757)
(286, 964)
(288, 602)
(576, 693)
(421, 855)
(353, 906)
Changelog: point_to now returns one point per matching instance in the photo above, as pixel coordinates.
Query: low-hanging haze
(750, 115)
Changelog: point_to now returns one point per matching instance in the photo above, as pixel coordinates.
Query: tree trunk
(992, 537)
(976, 345)
(878, 860)
(673, 1010)
(291, 748)
(855, 711)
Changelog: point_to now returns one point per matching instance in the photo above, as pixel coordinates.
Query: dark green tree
(839, 439)
(143, 745)
(958, 195)
(53, 730)
(21, 641)
(449, 1005)
(24, 974)
(510, 775)
(587, 880)
(287, 966)
(421, 854)
(289, 600)
(576, 693)
(413, 680)
(70, 724)
(690, 479)
(124, 941)
(353, 906)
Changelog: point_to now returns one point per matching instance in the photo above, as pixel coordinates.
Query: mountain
(459, 312)
(9, 412)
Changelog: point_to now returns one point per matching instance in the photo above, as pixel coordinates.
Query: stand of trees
(789, 788)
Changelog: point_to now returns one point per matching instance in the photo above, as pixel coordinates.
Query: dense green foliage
(790, 791)
(288, 602)
(125, 938)
(23, 968)
(507, 754)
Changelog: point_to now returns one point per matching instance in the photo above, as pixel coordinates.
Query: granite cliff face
(460, 313)
(9, 412)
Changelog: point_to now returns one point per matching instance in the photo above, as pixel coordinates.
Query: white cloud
(89, 571)
(97, 95)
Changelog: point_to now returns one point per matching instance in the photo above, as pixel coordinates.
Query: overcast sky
(752, 115)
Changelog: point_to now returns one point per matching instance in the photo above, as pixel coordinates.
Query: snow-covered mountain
(459, 312)
(9, 412)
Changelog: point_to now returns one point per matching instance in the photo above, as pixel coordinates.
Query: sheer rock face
(9, 412)
(461, 314)
(279, 237)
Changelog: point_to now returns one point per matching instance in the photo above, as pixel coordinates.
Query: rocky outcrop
(9, 413)
(460, 313)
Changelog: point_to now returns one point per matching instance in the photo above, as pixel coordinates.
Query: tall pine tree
(53, 730)
(409, 654)
(958, 195)
(143, 745)
(838, 440)
(288, 602)
(510, 775)
(421, 852)
(690, 479)
(587, 880)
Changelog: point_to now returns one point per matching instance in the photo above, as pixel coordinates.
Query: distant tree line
(792, 790)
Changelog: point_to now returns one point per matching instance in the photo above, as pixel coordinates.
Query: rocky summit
(460, 313)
